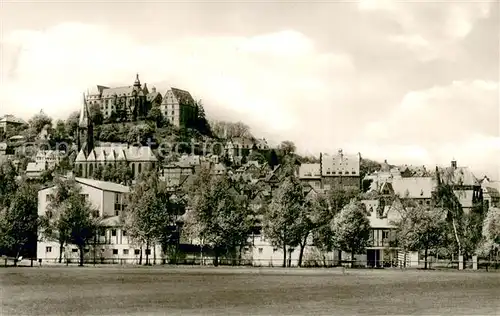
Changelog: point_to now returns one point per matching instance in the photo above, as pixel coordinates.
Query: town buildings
(333, 171)
(44, 160)
(10, 122)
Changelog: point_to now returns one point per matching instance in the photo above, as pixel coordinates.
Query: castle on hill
(135, 101)
(137, 158)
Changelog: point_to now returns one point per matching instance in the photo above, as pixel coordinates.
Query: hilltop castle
(135, 101)
(137, 158)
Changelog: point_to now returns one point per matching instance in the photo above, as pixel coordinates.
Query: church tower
(85, 124)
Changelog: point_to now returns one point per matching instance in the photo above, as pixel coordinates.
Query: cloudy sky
(408, 82)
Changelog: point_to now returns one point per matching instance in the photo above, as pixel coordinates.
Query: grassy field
(245, 291)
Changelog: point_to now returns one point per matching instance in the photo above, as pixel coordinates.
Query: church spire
(84, 117)
(137, 82)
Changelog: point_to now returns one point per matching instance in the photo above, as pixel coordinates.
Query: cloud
(460, 120)
(264, 76)
(430, 30)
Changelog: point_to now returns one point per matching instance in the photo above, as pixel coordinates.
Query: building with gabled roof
(178, 107)
(138, 159)
(333, 171)
(491, 192)
(466, 186)
(131, 100)
(8, 122)
(112, 244)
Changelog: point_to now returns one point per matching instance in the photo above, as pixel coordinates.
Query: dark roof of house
(182, 96)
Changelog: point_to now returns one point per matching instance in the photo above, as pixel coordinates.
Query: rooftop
(104, 185)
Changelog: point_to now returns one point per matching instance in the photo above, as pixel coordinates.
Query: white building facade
(112, 244)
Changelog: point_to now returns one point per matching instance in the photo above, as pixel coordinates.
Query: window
(87, 250)
(328, 172)
(125, 251)
(117, 212)
(113, 232)
(74, 250)
(354, 172)
(95, 214)
(137, 251)
(385, 235)
(124, 233)
(428, 202)
(173, 112)
(115, 251)
(275, 249)
(148, 251)
(48, 249)
(49, 197)
(48, 213)
(261, 250)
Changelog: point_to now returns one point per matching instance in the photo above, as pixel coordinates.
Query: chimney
(153, 89)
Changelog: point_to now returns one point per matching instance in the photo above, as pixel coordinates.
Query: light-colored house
(44, 160)
(333, 171)
(112, 244)
(382, 251)
(9, 121)
(491, 192)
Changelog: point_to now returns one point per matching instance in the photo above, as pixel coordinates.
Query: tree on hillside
(72, 123)
(223, 129)
(60, 134)
(201, 123)
(39, 121)
(272, 159)
(255, 155)
(287, 147)
(140, 134)
(155, 116)
(280, 219)
(351, 229)
(19, 222)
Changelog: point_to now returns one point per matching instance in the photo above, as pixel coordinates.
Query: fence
(274, 262)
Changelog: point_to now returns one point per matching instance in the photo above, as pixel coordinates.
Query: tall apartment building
(178, 107)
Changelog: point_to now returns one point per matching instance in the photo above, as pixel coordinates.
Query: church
(137, 158)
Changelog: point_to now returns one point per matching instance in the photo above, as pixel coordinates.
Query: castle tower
(137, 83)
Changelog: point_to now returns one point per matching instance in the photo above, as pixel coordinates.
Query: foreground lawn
(236, 291)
